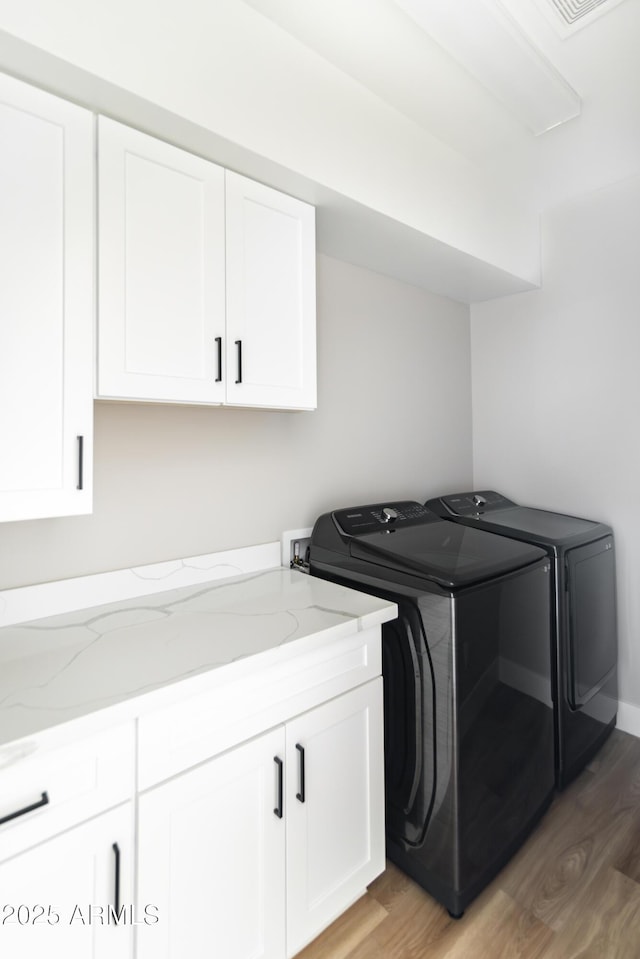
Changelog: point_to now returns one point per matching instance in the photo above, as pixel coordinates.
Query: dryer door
(591, 595)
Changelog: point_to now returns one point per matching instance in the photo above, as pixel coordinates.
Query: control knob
(389, 514)
(479, 500)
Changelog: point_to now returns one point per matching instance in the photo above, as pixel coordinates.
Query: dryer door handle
(418, 717)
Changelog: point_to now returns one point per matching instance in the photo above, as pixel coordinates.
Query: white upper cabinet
(161, 270)
(206, 292)
(46, 304)
(271, 297)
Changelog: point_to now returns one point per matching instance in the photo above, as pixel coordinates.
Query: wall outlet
(289, 539)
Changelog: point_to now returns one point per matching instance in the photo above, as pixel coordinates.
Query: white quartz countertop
(110, 659)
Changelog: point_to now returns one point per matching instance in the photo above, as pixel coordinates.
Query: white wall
(394, 415)
(556, 389)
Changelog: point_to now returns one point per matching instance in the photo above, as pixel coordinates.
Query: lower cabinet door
(71, 897)
(212, 858)
(335, 809)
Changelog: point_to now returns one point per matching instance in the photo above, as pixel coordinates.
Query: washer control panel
(367, 519)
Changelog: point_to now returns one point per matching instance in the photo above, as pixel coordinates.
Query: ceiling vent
(572, 15)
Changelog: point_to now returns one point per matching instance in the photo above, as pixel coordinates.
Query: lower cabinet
(211, 856)
(61, 898)
(335, 811)
(254, 852)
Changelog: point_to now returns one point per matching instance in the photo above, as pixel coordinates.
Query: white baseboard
(629, 718)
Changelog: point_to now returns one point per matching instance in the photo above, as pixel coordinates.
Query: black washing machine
(469, 761)
(584, 634)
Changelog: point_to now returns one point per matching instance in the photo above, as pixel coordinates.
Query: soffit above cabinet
(379, 115)
(347, 228)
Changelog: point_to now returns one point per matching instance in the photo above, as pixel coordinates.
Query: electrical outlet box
(289, 540)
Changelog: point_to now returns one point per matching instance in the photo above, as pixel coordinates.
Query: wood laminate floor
(572, 891)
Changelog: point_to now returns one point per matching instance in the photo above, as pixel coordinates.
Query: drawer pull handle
(116, 891)
(219, 349)
(300, 795)
(239, 345)
(22, 812)
(278, 808)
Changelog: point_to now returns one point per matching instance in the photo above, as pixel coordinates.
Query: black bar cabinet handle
(80, 462)
(219, 347)
(116, 890)
(239, 345)
(278, 808)
(22, 812)
(300, 795)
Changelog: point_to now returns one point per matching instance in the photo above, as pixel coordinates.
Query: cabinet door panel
(212, 856)
(56, 898)
(335, 838)
(46, 303)
(270, 297)
(161, 269)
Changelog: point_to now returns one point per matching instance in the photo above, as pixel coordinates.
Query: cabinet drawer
(46, 791)
(235, 709)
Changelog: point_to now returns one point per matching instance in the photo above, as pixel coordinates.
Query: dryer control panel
(479, 501)
(359, 520)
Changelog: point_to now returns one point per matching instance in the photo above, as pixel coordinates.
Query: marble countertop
(104, 659)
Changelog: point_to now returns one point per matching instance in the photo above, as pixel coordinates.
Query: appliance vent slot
(578, 13)
(572, 10)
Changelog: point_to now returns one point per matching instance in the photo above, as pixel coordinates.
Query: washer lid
(539, 524)
(493, 511)
(447, 553)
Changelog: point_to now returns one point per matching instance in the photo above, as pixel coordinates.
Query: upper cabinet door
(271, 298)
(46, 304)
(161, 270)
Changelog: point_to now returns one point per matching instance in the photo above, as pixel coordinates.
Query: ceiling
(444, 74)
